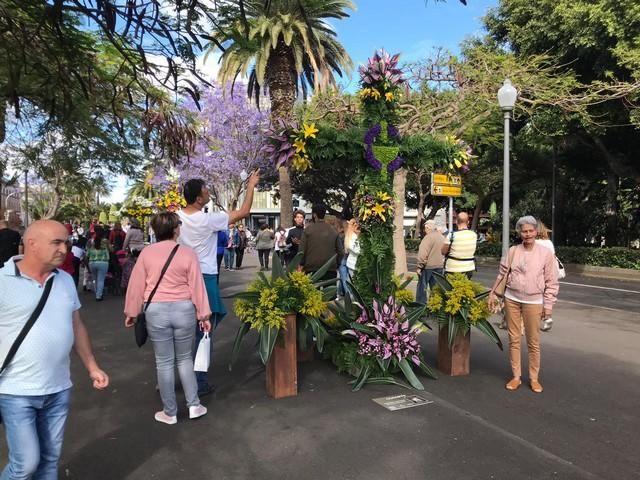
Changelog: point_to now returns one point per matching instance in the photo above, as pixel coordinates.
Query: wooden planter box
(282, 369)
(454, 361)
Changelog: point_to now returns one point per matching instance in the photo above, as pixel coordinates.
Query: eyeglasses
(179, 222)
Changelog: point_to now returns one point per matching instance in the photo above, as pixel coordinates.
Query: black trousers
(239, 257)
(263, 256)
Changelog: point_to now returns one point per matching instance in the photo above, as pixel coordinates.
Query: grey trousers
(171, 330)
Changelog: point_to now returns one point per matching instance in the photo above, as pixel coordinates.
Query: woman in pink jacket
(179, 302)
(531, 291)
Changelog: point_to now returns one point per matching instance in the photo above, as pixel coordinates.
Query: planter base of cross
(282, 368)
(454, 361)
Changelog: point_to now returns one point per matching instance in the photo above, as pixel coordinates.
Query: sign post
(446, 185)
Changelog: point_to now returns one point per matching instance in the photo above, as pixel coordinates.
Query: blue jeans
(229, 254)
(343, 288)
(218, 312)
(426, 278)
(170, 326)
(34, 426)
(99, 271)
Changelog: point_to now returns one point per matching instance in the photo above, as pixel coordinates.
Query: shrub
(412, 244)
(618, 257)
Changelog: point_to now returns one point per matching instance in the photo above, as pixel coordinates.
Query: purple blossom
(393, 335)
(230, 140)
(393, 132)
(372, 134)
(381, 67)
(395, 164)
(371, 158)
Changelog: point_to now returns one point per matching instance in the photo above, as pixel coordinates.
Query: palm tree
(285, 46)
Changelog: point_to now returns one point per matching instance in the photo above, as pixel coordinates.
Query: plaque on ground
(400, 402)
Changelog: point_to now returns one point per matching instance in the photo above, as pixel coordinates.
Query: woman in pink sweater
(531, 291)
(180, 301)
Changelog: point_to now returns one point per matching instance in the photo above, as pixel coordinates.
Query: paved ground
(584, 426)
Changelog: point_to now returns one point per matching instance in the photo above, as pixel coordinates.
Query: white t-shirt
(77, 252)
(200, 232)
(41, 364)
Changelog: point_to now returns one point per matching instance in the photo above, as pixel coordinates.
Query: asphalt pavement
(584, 426)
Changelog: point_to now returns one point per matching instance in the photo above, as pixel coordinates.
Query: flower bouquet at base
(457, 303)
(267, 301)
(377, 342)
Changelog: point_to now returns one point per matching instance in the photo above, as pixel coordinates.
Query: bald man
(35, 386)
(460, 247)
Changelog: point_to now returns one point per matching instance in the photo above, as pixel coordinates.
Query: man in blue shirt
(35, 386)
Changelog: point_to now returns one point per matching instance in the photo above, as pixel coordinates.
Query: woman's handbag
(203, 354)
(561, 271)
(502, 284)
(140, 328)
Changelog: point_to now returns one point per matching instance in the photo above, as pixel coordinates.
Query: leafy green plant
(457, 303)
(267, 301)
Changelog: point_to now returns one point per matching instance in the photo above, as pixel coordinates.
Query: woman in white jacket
(352, 245)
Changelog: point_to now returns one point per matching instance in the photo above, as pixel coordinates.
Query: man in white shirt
(199, 231)
(460, 247)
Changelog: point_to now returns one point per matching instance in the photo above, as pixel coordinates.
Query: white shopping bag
(203, 354)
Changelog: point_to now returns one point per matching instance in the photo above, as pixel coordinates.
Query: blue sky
(412, 27)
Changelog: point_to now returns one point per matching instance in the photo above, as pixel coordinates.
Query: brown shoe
(536, 386)
(513, 384)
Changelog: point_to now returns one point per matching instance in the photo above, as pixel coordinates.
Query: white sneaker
(547, 324)
(164, 418)
(197, 411)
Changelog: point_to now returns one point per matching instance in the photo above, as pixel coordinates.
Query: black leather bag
(140, 328)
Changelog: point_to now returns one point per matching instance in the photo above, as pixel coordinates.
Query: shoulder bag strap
(510, 257)
(164, 270)
(27, 326)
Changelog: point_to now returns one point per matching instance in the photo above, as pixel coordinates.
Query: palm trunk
(476, 212)
(399, 250)
(422, 197)
(281, 79)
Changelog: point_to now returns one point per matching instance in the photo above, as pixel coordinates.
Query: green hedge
(411, 244)
(619, 257)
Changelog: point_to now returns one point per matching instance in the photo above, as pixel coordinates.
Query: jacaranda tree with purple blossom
(230, 136)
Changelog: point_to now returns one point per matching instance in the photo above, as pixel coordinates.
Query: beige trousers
(516, 314)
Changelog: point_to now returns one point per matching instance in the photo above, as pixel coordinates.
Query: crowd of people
(173, 278)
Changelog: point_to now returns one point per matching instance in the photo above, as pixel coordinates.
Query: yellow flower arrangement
(462, 296)
(309, 130)
(300, 163)
(300, 146)
(388, 97)
(374, 207)
(295, 293)
(458, 304)
(172, 200)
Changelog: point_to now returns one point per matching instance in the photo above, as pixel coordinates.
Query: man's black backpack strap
(27, 326)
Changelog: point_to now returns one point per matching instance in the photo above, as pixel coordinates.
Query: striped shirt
(463, 248)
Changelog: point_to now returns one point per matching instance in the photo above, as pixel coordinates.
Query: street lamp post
(506, 99)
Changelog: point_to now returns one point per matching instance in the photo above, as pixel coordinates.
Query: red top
(67, 266)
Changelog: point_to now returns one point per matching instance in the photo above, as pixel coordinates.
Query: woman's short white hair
(526, 220)
(429, 223)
